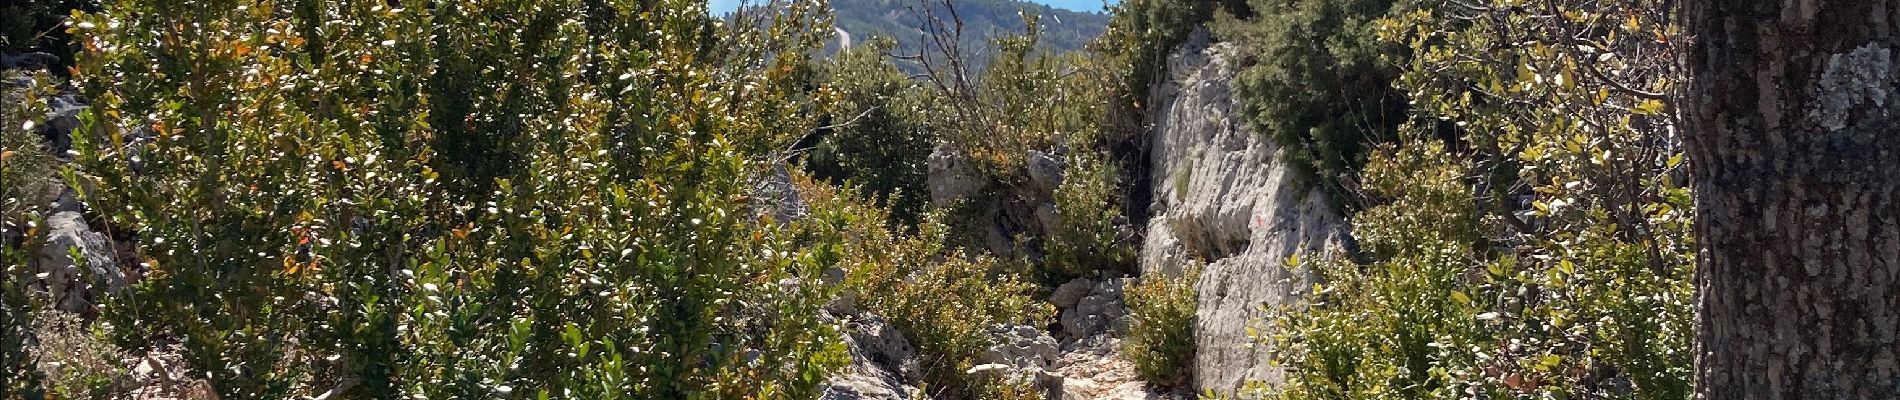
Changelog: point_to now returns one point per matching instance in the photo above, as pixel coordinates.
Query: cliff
(1222, 199)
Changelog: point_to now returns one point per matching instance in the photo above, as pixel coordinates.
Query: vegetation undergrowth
(22, 165)
(944, 300)
(480, 199)
(1160, 341)
(1529, 232)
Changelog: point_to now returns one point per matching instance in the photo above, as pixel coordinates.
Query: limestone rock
(74, 285)
(1222, 195)
(951, 177)
(1045, 171)
(880, 358)
(1021, 347)
(1101, 310)
(1068, 294)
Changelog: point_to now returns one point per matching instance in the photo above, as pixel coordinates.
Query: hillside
(1062, 30)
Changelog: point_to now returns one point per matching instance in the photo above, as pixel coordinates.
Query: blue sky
(722, 6)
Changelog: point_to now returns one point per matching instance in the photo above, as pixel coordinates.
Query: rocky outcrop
(75, 284)
(1088, 309)
(881, 358)
(1222, 198)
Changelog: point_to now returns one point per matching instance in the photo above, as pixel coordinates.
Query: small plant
(1160, 338)
(78, 362)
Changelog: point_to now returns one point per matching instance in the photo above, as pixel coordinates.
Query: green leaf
(1649, 107)
(1570, 74)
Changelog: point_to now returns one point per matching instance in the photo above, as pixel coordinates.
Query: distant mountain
(1062, 30)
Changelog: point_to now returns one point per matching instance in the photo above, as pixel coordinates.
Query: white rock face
(880, 357)
(76, 284)
(1221, 196)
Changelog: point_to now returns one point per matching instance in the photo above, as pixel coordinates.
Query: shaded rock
(1021, 347)
(951, 177)
(1101, 310)
(28, 61)
(884, 344)
(1045, 171)
(1067, 294)
(775, 196)
(1047, 216)
(75, 284)
(880, 359)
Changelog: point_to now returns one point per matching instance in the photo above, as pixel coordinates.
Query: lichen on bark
(1851, 80)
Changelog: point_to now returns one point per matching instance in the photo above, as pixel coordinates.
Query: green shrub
(1527, 236)
(469, 200)
(884, 132)
(1160, 341)
(78, 361)
(943, 300)
(1028, 103)
(1092, 236)
(1320, 83)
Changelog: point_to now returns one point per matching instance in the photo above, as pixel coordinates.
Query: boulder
(1021, 347)
(1101, 311)
(951, 177)
(1066, 295)
(775, 196)
(1045, 172)
(27, 61)
(75, 284)
(880, 358)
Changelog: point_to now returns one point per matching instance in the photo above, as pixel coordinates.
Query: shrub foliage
(1160, 339)
(1320, 83)
(1529, 231)
(471, 199)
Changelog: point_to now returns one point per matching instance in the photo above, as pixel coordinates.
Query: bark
(1796, 158)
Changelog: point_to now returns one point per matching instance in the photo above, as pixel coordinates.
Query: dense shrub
(944, 300)
(318, 211)
(1160, 339)
(1030, 103)
(1091, 236)
(882, 131)
(1543, 252)
(1320, 83)
(1026, 101)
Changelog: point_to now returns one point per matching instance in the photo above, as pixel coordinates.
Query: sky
(723, 6)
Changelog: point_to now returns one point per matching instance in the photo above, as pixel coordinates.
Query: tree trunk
(1793, 134)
